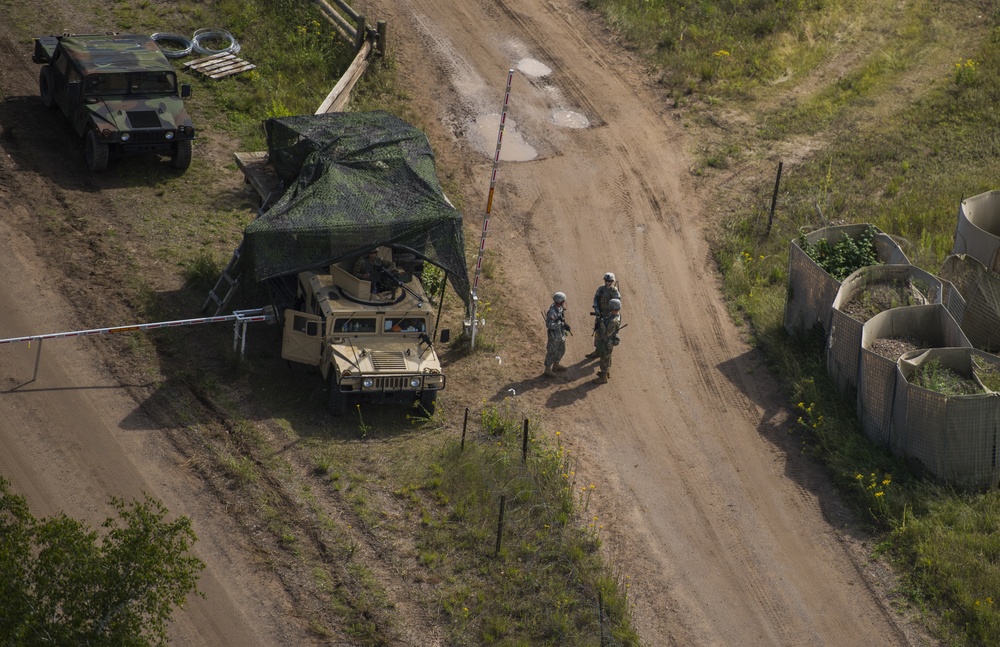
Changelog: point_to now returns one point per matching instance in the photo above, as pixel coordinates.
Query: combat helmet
(559, 297)
(609, 277)
(615, 304)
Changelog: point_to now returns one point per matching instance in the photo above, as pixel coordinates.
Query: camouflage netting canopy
(355, 180)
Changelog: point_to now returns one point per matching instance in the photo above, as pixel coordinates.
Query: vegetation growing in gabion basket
(881, 296)
(935, 376)
(842, 258)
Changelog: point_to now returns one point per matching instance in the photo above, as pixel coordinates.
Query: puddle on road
(531, 67)
(570, 119)
(560, 116)
(483, 133)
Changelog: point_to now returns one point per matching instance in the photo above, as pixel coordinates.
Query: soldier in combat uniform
(557, 327)
(607, 338)
(380, 271)
(602, 297)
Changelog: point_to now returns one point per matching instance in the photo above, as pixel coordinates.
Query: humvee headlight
(415, 382)
(368, 383)
(126, 137)
(169, 135)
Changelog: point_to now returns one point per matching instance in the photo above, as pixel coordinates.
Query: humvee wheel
(428, 400)
(338, 399)
(45, 89)
(181, 157)
(96, 152)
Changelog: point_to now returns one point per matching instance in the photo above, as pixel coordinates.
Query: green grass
(533, 576)
(896, 135)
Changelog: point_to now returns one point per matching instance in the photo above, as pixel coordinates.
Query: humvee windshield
(131, 83)
(355, 324)
(407, 324)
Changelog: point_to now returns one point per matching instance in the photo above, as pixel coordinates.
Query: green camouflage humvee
(121, 94)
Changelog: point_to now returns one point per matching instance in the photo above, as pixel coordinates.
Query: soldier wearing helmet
(555, 347)
(606, 337)
(602, 297)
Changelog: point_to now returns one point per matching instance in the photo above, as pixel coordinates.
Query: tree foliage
(62, 583)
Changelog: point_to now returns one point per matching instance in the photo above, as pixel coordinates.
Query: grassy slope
(881, 113)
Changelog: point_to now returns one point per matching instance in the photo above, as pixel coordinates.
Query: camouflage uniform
(376, 270)
(602, 298)
(607, 332)
(364, 267)
(556, 346)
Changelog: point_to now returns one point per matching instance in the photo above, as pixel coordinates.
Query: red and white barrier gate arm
(473, 323)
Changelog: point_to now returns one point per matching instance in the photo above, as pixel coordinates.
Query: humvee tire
(428, 401)
(181, 157)
(45, 86)
(96, 152)
(338, 399)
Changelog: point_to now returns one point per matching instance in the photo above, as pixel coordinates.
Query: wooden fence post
(774, 200)
(382, 45)
(359, 36)
(503, 501)
(465, 425)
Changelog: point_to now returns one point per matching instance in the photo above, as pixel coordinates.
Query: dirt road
(727, 535)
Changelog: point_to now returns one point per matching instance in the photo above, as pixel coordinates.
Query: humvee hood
(403, 358)
(160, 114)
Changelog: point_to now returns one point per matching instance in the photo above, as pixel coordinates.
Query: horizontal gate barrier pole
(262, 314)
(241, 319)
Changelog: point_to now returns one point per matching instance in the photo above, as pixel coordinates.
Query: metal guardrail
(240, 319)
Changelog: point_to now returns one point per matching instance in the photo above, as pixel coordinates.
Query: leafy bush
(842, 258)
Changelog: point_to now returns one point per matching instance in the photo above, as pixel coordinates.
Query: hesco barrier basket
(953, 437)
(980, 318)
(931, 324)
(843, 346)
(811, 289)
(978, 231)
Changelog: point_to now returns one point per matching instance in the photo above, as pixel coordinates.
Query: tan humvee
(376, 344)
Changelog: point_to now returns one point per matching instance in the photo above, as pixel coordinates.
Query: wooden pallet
(219, 65)
(258, 173)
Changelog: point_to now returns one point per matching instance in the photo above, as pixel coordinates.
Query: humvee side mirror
(445, 336)
(73, 91)
(185, 90)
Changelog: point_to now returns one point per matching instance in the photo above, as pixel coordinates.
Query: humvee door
(302, 338)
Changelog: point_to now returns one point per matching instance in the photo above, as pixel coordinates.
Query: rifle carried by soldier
(561, 319)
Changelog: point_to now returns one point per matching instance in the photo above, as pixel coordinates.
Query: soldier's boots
(549, 372)
(602, 377)
(558, 368)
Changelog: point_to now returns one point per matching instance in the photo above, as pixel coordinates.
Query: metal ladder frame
(227, 278)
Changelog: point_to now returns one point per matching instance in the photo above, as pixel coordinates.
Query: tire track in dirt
(726, 549)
